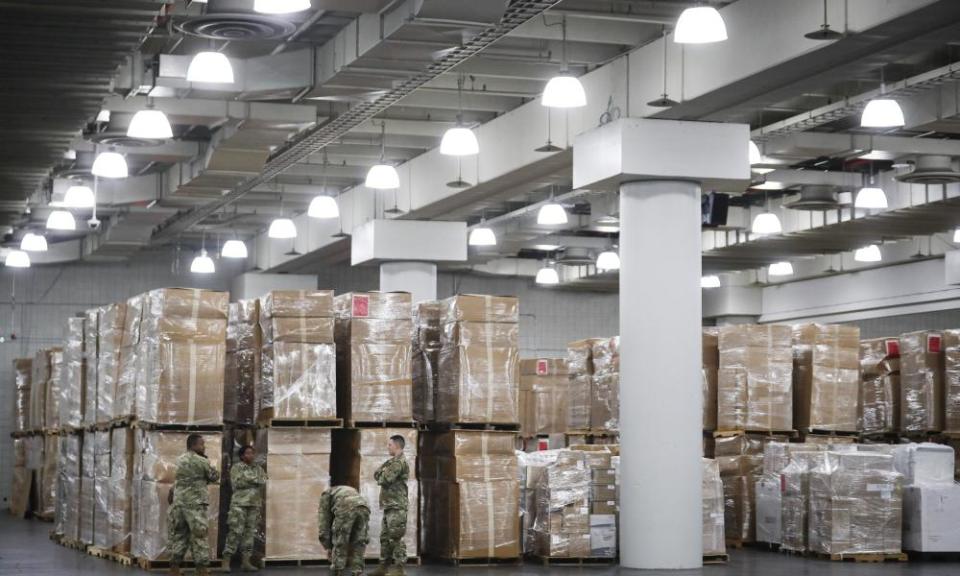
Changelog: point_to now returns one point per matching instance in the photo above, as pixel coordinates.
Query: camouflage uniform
(187, 516)
(245, 503)
(392, 477)
(344, 516)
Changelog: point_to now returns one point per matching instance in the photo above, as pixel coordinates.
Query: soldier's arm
(389, 473)
(261, 478)
(324, 521)
(213, 475)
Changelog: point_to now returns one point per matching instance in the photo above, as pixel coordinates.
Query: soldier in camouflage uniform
(392, 477)
(344, 518)
(247, 480)
(187, 516)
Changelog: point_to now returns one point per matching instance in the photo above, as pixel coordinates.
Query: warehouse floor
(26, 549)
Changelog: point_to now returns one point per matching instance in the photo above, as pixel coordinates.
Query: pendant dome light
(871, 198)
(700, 25)
(211, 68)
(551, 213)
(110, 164)
(33, 242)
(79, 197)
(282, 228)
(869, 253)
(61, 220)
(280, 6)
(547, 276)
(150, 124)
(323, 207)
(103, 117)
(710, 281)
(234, 249)
(382, 176)
(459, 140)
(482, 235)
(765, 224)
(780, 269)
(564, 90)
(202, 264)
(608, 260)
(882, 112)
(17, 259)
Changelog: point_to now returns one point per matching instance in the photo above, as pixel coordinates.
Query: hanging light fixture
(103, 116)
(547, 276)
(459, 140)
(824, 32)
(664, 101)
(482, 236)
(869, 253)
(551, 213)
(110, 165)
(202, 264)
(765, 224)
(780, 269)
(882, 112)
(382, 176)
(33, 242)
(61, 220)
(211, 68)
(700, 25)
(710, 281)
(870, 198)
(150, 124)
(282, 228)
(323, 207)
(280, 6)
(17, 259)
(564, 90)
(234, 249)
(608, 260)
(79, 197)
(956, 235)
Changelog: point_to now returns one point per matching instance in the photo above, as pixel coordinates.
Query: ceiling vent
(217, 26)
(121, 139)
(931, 170)
(815, 197)
(574, 256)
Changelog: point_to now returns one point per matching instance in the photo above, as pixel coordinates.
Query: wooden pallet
(733, 433)
(268, 562)
(587, 561)
(482, 426)
(485, 561)
(157, 565)
(822, 432)
(290, 423)
(388, 424)
(177, 427)
(118, 557)
(591, 432)
(869, 557)
(793, 552)
(716, 558)
(411, 561)
(72, 544)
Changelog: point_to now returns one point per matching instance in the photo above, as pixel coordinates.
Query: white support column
(417, 278)
(660, 391)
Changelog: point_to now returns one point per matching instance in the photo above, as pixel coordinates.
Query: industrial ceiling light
(382, 176)
(869, 253)
(551, 214)
(780, 269)
(700, 25)
(882, 112)
(664, 101)
(608, 260)
(753, 152)
(211, 68)
(79, 197)
(323, 207)
(33, 243)
(547, 276)
(61, 220)
(150, 124)
(202, 264)
(956, 236)
(459, 140)
(282, 228)
(870, 198)
(765, 224)
(110, 165)
(103, 116)
(824, 32)
(280, 6)
(710, 281)
(234, 249)
(17, 259)
(564, 90)
(482, 236)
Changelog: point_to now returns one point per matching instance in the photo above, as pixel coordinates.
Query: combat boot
(174, 569)
(225, 564)
(202, 571)
(245, 564)
(380, 570)
(396, 570)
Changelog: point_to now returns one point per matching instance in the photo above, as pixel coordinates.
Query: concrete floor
(26, 549)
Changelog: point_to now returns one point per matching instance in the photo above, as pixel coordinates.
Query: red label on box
(543, 368)
(933, 343)
(361, 306)
(543, 444)
(893, 348)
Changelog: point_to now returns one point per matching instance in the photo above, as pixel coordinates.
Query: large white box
(768, 510)
(931, 518)
(925, 463)
(603, 535)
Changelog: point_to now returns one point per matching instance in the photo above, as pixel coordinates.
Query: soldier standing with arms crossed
(187, 516)
(392, 477)
(247, 480)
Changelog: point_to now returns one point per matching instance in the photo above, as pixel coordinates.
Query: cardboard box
(755, 378)
(711, 363)
(425, 368)
(544, 386)
(879, 409)
(186, 303)
(87, 492)
(297, 304)
(826, 377)
(471, 519)
(72, 385)
(768, 508)
(182, 380)
(925, 463)
(91, 347)
(109, 339)
(120, 498)
(951, 379)
(930, 518)
(68, 487)
(603, 536)
(243, 364)
(102, 488)
(22, 374)
(481, 308)
(374, 306)
(297, 382)
(714, 541)
(738, 501)
(479, 373)
(921, 382)
(312, 330)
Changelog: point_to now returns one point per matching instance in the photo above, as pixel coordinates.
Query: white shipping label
(879, 488)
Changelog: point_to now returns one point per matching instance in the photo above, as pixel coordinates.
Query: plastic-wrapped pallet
(755, 378)
(951, 378)
(102, 488)
(425, 368)
(794, 498)
(531, 467)
(855, 504)
(22, 373)
(120, 500)
(544, 386)
(357, 453)
(603, 462)
(47, 484)
(711, 363)
(73, 374)
(921, 382)
(54, 387)
(879, 409)
(110, 325)
(471, 494)
(605, 397)
(768, 509)
(90, 350)
(931, 498)
(479, 360)
(181, 354)
(39, 380)
(87, 486)
(154, 464)
(826, 377)
(128, 360)
(21, 480)
(580, 371)
(242, 369)
(298, 376)
(562, 524)
(68, 487)
(374, 333)
(714, 542)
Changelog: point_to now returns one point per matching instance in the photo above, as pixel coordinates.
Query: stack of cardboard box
(951, 380)
(242, 368)
(795, 497)
(921, 382)
(826, 377)
(603, 462)
(471, 494)
(605, 396)
(90, 347)
(20, 480)
(714, 540)
(531, 467)
(128, 359)
(374, 332)
(426, 360)
(120, 499)
(102, 487)
(561, 528)
(68, 487)
(111, 322)
(357, 453)
(88, 499)
(54, 394)
(544, 387)
(931, 498)
(711, 363)
(580, 371)
(45, 479)
(879, 409)
(479, 360)
(755, 378)
(39, 380)
(22, 372)
(298, 360)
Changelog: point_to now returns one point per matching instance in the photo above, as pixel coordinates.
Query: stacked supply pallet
(755, 378)
(20, 478)
(769, 493)
(603, 463)
(531, 466)
(89, 366)
(879, 406)
(67, 521)
(22, 372)
(826, 377)
(544, 386)
(128, 360)
(711, 364)
(931, 498)
(425, 368)
(110, 327)
(242, 368)
(714, 542)
(605, 397)
(561, 525)
(580, 375)
(921, 383)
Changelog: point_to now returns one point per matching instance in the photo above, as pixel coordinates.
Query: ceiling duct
(120, 138)
(232, 25)
(575, 256)
(931, 170)
(815, 198)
